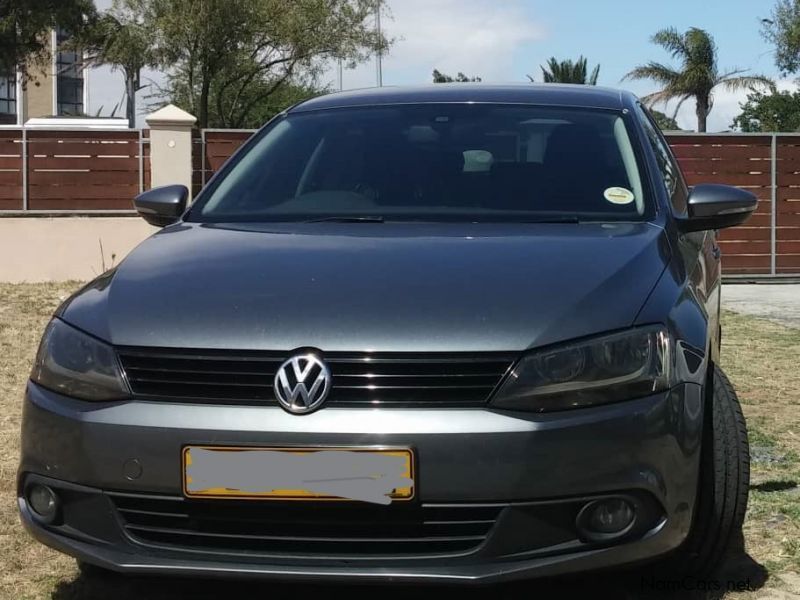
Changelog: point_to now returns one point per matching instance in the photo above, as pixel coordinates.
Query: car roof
(552, 94)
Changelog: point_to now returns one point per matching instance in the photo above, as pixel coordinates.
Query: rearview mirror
(162, 206)
(713, 206)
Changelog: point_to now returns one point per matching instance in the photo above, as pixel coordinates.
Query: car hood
(373, 287)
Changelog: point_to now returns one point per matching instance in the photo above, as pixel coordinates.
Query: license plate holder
(379, 475)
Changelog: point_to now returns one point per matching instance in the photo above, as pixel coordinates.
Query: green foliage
(779, 111)
(566, 71)
(663, 121)
(119, 37)
(284, 96)
(783, 31)
(267, 98)
(226, 58)
(697, 75)
(24, 23)
(439, 77)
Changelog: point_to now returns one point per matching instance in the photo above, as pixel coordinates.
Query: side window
(666, 163)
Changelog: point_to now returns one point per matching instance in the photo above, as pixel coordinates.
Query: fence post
(24, 168)
(773, 220)
(171, 147)
(141, 161)
(203, 157)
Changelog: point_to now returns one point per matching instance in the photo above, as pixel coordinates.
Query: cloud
(478, 37)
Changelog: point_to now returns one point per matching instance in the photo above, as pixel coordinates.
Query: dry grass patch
(29, 570)
(763, 360)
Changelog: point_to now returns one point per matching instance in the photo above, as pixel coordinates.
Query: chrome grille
(326, 529)
(397, 379)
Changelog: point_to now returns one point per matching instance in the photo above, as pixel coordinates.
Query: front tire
(723, 486)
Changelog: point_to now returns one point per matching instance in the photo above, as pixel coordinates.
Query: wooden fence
(70, 171)
(767, 165)
(219, 145)
(91, 172)
(11, 170)
(75, 171)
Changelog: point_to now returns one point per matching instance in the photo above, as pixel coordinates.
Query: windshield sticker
(619, 195)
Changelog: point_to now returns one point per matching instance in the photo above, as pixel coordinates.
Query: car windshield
(433, 162)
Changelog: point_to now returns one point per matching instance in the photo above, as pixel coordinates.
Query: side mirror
(713, 206)
(162, 206)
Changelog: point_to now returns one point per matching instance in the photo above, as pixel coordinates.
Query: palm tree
(119, 38)
(566, 71)
(698, 75)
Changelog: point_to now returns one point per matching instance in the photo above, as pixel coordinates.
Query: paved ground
(779, 302)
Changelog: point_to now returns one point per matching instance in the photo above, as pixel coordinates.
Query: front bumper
(521, 464)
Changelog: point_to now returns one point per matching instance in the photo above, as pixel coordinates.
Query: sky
(504, 40)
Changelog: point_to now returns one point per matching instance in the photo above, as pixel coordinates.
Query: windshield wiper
(346, 219)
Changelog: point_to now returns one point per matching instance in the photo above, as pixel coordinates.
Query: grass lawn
(761, 358)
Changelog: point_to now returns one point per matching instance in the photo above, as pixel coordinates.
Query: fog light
(611, 516)
(606, 519)
(43, 501)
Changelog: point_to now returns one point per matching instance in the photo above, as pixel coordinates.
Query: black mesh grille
(325, 529)
(408, 379)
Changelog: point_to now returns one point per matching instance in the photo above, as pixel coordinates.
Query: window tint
(666, 162)
(435, 162)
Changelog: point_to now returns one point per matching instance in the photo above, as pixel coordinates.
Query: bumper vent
(396, 379)
(322, 530)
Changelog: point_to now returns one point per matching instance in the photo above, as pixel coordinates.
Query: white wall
(65, 248)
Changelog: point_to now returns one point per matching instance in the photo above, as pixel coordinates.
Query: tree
(225, 50)
(566, 71)
(287, 94)
(779, 111)
(663, 121)
(224, 111)
(783, 31)
(24, 23)
(122, 39)
(439, 77)
(697, 76)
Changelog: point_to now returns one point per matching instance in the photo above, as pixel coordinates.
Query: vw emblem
(302, 383)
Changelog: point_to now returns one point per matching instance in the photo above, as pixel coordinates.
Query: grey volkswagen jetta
(453, 333)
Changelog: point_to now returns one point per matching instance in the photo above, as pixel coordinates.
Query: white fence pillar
(171, 146)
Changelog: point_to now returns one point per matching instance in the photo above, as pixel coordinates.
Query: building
(58, 89)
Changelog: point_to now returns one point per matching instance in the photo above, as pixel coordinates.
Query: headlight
(75, 364)
(611, 368)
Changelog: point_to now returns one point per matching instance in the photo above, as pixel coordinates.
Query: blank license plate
(376, 475)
